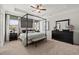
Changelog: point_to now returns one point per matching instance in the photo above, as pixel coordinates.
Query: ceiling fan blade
(32, 7)
(33, 10)
(42, 9)
(37, 6)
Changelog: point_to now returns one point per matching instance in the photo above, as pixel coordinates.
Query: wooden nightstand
(12, 36)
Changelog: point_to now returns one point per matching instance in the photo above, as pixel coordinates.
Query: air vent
(20, 10)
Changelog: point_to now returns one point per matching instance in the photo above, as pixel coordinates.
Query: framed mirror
(62, 24)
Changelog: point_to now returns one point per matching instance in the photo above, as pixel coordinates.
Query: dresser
(64, 36)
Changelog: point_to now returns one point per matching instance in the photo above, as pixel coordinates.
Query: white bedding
(32, 36)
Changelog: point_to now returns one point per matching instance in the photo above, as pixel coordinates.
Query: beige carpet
(51, 47)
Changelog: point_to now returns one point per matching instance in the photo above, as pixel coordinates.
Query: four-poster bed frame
(26, 17)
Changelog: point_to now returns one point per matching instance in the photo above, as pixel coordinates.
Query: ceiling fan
(38, 7)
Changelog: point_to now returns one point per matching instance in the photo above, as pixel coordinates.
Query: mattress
(32, 36)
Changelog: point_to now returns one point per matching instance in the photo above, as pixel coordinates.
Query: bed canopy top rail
(26, 16)
(34, 16)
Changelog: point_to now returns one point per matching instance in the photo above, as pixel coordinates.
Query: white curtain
(7, 27)
(18, 25)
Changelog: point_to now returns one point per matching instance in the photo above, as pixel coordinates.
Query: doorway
(12, 27)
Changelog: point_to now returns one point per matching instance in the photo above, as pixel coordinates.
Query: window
(13, 22)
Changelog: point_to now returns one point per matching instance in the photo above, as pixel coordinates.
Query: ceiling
(51, 9)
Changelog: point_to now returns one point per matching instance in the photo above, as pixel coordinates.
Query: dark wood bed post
(26, 30)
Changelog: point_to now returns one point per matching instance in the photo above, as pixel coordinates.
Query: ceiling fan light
(41, 7)
(38, 11)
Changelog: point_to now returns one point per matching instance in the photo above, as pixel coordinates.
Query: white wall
(2, 26)
(72, 14)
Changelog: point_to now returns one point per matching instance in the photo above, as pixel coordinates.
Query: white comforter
(32, 36)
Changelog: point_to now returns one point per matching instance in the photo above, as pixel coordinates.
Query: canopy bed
(33, 29)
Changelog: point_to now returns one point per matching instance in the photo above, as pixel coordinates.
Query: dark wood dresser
(64, 36)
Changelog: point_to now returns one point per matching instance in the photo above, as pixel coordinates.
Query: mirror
(62, 24)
